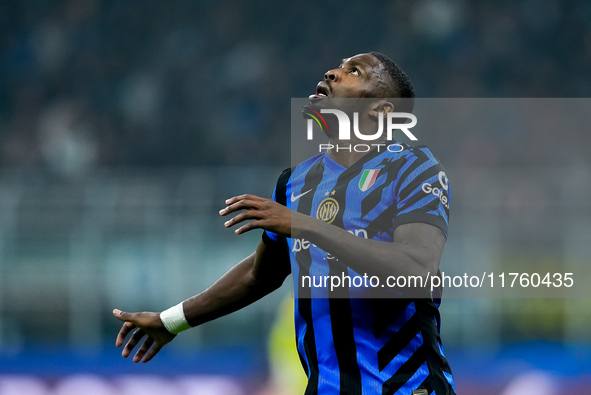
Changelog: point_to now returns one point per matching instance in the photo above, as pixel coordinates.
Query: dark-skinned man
(340, 213)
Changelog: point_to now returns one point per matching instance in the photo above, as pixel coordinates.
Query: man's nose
(332, 75)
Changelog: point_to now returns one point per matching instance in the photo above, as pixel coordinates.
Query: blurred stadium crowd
(147, 83)
(124, 124)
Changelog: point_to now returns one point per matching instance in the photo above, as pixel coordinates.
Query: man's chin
(317, 102)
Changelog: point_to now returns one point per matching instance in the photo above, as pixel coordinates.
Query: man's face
(358, 76)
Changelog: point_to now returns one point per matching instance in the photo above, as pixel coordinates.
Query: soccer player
(380, 213)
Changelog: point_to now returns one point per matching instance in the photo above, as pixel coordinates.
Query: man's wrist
(174, 319)
(302, 225)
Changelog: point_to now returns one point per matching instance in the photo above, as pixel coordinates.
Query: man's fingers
(246, 215)
(121, 315)
(133, 340)
(240, 203)
(237, 206)
(143, 349)
(153, 351)
(146, 325)
(249, 226)
(125, 329)
(235, 199)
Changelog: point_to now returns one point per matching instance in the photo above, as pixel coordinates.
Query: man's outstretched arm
(255, 276)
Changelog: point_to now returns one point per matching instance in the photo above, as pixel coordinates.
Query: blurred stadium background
(124, 124)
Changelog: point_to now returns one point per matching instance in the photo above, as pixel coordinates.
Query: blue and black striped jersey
(350, 343)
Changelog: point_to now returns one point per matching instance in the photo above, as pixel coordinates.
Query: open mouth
(322, 91)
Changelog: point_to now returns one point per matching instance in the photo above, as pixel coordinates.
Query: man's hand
(146, 324)
(265, 213)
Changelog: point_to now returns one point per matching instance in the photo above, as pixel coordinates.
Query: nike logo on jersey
(294, 198)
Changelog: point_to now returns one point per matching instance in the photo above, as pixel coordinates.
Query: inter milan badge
(368, 177)
(328, 209)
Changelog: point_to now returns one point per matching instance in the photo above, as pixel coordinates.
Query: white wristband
(174, 319)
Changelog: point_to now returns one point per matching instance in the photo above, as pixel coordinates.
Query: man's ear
(381, 106)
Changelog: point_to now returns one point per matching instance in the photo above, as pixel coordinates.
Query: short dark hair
(401, 84)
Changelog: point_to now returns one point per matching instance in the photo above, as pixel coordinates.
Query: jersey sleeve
(270, 236)
(280, 196)
(422, 193)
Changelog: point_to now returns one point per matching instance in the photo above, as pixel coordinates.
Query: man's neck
(345, 154)
(345, 159)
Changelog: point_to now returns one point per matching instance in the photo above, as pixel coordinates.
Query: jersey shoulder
(283, 186)
(422, 150)
(405, 158)
(413, 152)
(308, 163)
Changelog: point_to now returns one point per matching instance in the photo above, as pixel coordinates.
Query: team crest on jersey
(368, 178)
(328, 209)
